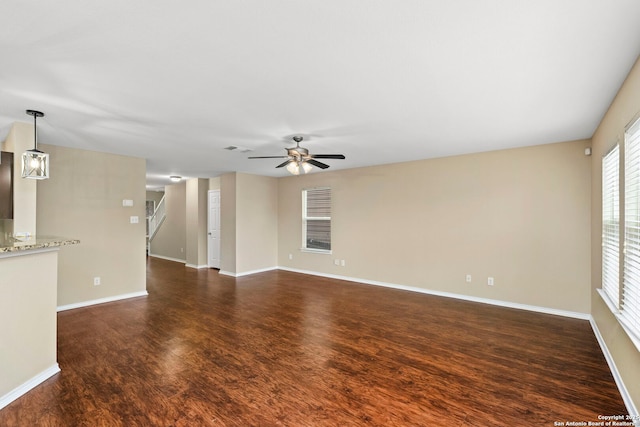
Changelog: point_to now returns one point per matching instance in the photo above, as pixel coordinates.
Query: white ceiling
(379, 81)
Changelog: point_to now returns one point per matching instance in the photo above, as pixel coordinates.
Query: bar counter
(28, 304)
(12, 244)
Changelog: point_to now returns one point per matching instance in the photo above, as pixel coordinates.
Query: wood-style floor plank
(286, 349)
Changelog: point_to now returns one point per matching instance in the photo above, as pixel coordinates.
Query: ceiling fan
(299, 159)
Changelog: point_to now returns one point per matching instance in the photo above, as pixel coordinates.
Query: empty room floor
(287, 349)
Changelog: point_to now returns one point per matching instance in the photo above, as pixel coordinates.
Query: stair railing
(156, 219)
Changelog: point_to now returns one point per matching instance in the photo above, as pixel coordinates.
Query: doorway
(213, 235)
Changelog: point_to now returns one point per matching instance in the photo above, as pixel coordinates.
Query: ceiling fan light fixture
(299, 160)
(298, 167)
(35, 163)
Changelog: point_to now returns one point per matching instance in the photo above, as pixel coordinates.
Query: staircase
(156, 219)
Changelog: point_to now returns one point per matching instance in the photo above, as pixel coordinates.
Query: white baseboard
(168, 258)
(626, 397)
(537, 309)
(196, 266)
(102, 300)
(30, 384)
(247, 273)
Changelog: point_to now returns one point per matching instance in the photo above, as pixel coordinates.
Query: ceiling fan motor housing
(298, 152)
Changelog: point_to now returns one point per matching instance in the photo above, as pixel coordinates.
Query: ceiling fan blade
(327, 156)
(284, 163)
(268, 157)
(317, 164)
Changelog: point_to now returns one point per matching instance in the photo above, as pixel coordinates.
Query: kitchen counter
(12, 245)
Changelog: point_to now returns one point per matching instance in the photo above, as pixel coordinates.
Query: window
(316, 219)
(630, 296)
(611, 225)
(622, 294)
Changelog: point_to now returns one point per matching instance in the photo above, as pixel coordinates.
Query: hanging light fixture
(298, 166)
(35, 163)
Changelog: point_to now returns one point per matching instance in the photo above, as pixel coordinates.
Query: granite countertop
(12, 244)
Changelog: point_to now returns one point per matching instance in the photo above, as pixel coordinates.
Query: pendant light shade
(35, 163)
(298, 167)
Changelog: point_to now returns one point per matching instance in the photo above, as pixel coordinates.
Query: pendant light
(35, 163)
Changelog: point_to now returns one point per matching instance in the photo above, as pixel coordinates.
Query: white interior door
(213, 240)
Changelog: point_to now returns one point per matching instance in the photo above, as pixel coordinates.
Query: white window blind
(630, 305)
(611, 225)
(316, 219)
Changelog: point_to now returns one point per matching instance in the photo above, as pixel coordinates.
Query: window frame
(611, 259)
(629, 317)
(306, 219)
(626, 308)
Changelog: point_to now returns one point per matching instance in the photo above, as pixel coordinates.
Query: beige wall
(214, 183)
(83, 200)
(203, 225)
(256, 223)
(20, 139)
(520, 216)
(28, 318)
(611, 130)
(196, 222)
(171, 239)
(183, 234)
(228, 223)
(248, 223)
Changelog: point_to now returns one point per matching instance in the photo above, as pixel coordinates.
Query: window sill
(620, 318)
(316, 251)
(608, 301)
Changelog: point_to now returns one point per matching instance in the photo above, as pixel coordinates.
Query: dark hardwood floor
(286, 349)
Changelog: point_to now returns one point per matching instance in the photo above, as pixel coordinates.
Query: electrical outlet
(336, 262)
(290, 256)
(96, 281)
(490, 281)
(342, 262)
(468, 278)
